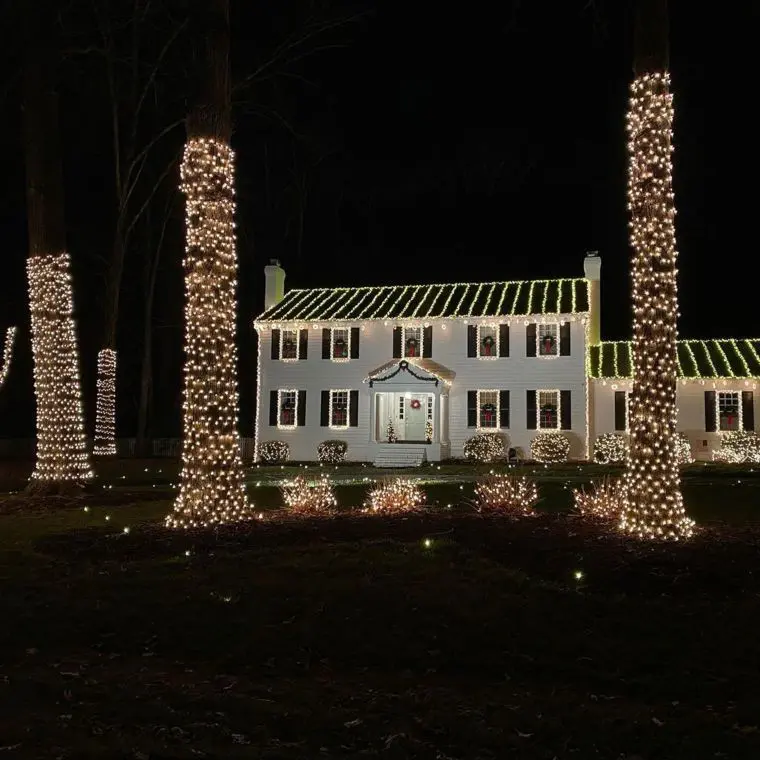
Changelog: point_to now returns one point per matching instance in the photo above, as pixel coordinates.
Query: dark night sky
(459, 143)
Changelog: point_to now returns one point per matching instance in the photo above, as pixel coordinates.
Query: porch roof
(392, 368)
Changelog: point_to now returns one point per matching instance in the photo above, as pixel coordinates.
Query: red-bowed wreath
(415, 403)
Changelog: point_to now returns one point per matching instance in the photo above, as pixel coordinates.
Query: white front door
(415, 413)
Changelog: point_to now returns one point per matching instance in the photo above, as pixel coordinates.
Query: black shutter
(472, 408)
(530, 341)
(303, 343)
(503, 409)
(504, 340)
(301, 420)
(273, 408)
(710, 411)
(472, 341)
(324, 409)
(564, 339)
(396, 342)
(565, 411)
(354, 342)
(353, 409)
(530, 421)
(427, 342)
(748, 410)
(326, 347)
(275, 343)
(620, 410)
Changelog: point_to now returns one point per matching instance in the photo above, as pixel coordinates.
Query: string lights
(105, 409)
(485, 447)
(274, 452)
(10, 337)
(603, 500)
(307, 498)
(738, 447)
(506, 493)
(652, 500)
(610, 448)
(395, 495)
(332, 452)
(61, 444)
(212, 486)
(550, 448)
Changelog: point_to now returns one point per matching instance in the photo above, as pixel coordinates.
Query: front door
(415, 413)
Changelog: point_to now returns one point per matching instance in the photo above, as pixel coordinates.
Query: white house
(432, 365)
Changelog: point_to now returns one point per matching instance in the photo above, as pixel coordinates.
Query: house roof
(393, 367)
(484, 299)
(696, 358)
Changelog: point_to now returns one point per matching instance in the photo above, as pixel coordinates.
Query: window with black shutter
(472, 408)
(748, 410)
(303, 343)
(326, 340)
(275, 343)
(504, 409)
(324, 409)
(472, 341)
(427, 342)
(564, 339)
(530, 340)
(710, 412)
(530, 398)
(503, 340)
(353, 409)
(354, 342)
(566, 410)
(621, 410)
(397, 342)
(301, 418)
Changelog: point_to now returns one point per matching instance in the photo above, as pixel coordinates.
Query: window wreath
(548, 343)
(411, 346)
(488, 345)
(288, 348)
(489, 415)
(340, 348)
(549, 411)
(729, 412)
(288, 411)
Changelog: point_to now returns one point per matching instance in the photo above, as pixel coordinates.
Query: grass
(352, 637)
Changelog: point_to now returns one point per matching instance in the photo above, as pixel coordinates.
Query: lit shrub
(305, 497)
(550, 448)
(502, 493)
(332, 452)
(610, 448)
(395, 495)
(683, 449)
(738, 447)
(274, 452)
(604, 499)
(485, 447)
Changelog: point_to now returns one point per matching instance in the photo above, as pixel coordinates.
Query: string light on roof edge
(212, 486)
(105, 409)
(61, 443)
(10, 338)
(652, 505)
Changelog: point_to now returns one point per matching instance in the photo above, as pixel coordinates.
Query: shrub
(304, 497)
(506, 494)
(550, 448)
(610, 448)
(604, 499)
(332, 452)
(683, 449)
(486, 447)
(395, 495)
(274, 452)
(739, 447)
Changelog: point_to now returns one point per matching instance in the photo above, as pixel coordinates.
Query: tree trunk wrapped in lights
(5, 366)
(62, 458)
(212, 488)
(653, 504)
(105, 410)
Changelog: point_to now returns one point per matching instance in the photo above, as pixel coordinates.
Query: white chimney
(592, 268)
(274, 291)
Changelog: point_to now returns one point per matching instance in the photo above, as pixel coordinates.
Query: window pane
(340, 344)
(488, 410)
(728, 411)
(547, 340)
(412, 341)
(339, 408)
(289, 344)
(488, 345)
(548, 410)
(288, 408)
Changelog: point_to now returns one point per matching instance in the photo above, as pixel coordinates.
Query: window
(289, 344)
(547, 336)
(412, 341)
(340, 343)
(339, 409)
(287, 415)
(488, 342)
(488, 409)
(729, 410)
(548, 410)
(401, 403)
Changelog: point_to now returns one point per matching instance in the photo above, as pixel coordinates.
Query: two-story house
(410, 372)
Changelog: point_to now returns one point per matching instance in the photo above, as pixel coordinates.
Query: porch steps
(400, 456)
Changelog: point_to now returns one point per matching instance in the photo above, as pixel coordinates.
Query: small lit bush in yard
(274, 452)
(683, 449)
(395, 495)
(508, 494)
(332, 452)
(739, 447)
(610, 448)
(604, 499)
(308, 497)
(550, 448)
(485, 447)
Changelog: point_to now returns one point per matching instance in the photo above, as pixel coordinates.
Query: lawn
(440, 635)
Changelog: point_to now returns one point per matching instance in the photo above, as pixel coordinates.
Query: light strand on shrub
(395, 495)
(506, 493)
(105, 409)
(61, 444)
(212, 485)
(304, 497)
(653, 503)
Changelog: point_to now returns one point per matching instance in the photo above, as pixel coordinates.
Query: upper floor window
(289, 344)
(488, 342)
(729, 410)
(339, 401)
(288, 409)
(548, 410)
(548, 339)
(488, 409)
(412, 341)
(341, 343)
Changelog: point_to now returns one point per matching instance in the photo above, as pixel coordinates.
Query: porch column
(444, 418)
